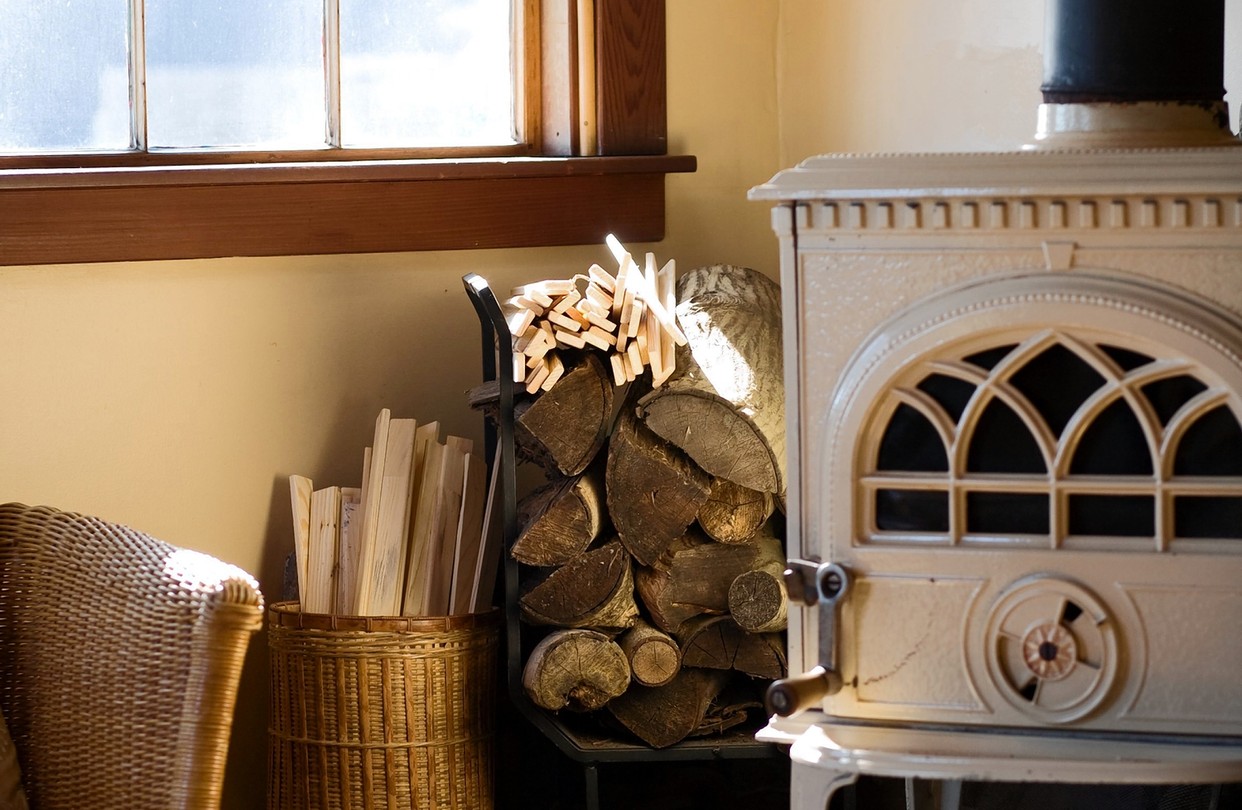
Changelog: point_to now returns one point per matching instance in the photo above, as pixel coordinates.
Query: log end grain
(578, 670)
(734, 513)
(715, 436)
(655, 656)
(571, 421)
(595, 589)
(560, 521)
(758, 603)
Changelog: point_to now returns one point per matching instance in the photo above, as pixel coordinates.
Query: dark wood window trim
(56, 212)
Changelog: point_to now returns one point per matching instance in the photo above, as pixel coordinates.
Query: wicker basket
(381, 712)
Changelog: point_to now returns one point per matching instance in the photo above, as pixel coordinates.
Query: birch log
(726, 407)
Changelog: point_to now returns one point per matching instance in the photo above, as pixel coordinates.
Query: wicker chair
(119, 662)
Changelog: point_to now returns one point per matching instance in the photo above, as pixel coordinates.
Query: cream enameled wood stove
(1014, 392)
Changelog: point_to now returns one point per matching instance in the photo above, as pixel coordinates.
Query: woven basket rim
(290, 615)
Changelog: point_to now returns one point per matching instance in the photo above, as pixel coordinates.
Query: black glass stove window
(1006, 513)
(1127, 359)
(988, 358)
(1113, 444)
(911, 444)
(950, 393)
(1112, 515)
(1056, 382)
(911, 510)
(1002, 443)
(1167, 396)
(1207, 516)
(1211, 446)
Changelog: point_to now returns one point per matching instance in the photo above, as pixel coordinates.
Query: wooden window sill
(58, 215)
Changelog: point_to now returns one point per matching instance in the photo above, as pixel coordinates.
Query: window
(284, 193)
(1055, 440)
(276, 74)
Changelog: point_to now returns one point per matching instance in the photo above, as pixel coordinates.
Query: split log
(664, 715)
(570, 423)
(726, 409)
(567, 432)
(654, 655)
(560, 520)
(579, 670)
(693, 577)
(654, 491)
(757, 598)
(733, 513)
(718, 642)
(595, 589)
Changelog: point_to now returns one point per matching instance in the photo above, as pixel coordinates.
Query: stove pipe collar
(1133, 73)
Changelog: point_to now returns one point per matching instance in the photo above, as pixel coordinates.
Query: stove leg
(591, 777)
(951, 794)
(812, 786)
(923, 795)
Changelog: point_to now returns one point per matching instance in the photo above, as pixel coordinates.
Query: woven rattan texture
(397, 716)
(119, 662)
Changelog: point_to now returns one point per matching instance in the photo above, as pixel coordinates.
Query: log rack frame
(589, 751)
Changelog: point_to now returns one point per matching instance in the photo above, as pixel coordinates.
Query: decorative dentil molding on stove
(952, 217)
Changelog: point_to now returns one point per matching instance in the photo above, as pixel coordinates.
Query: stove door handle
(788, 696)
(823, 584)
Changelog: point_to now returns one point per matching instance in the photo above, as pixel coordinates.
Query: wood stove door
(1035, 483)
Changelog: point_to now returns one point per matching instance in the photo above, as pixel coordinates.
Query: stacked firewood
(651, 557)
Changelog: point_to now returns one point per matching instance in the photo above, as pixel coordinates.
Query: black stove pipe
(1134, 50)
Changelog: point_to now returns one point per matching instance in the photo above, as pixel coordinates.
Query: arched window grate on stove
(1058, 439)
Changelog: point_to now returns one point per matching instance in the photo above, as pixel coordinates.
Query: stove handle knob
(788, 696)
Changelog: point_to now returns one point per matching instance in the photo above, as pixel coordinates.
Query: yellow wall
(177, 396)
(910, 76)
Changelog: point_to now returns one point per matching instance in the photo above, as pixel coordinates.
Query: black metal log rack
(589, 747)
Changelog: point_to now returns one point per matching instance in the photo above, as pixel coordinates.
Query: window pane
(64, 78)
(911, 444)
(426, 73)
(1112, 515)
(911, 510)
(1207, 516)
(1211, 446)
(950, 393)
(1006, 513)
(1113, 444)
(1002, 443)
(1056, 382)
(1167, 396)
(238, 73)
(988, 358)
